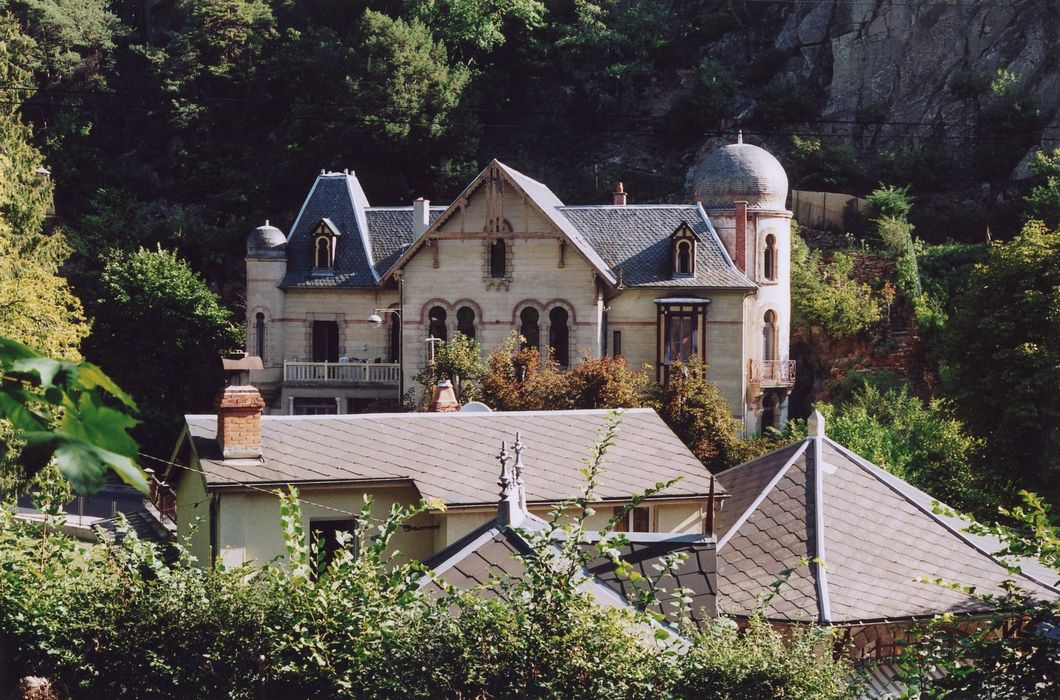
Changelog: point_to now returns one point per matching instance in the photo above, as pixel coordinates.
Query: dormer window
(325, 238)
(683, 245)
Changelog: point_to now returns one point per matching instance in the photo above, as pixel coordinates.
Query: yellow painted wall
(249, 522)
(193, 516)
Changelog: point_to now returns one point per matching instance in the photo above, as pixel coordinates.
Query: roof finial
(266, 222)
(518, 468)
(739, 136)
(815, 424)
(508, 508)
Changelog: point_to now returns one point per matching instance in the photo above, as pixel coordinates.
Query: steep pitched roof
(390, 230)
(636, 238)
(449, 455)
(339, 198)
(875, 534)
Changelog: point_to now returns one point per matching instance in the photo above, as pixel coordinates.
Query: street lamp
(375, 321)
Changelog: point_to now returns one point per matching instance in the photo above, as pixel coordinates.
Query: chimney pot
(741, 236)
(619, 195)
(239, 422)
(444, 399)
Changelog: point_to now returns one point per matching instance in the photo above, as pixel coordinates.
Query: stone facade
(507, 256)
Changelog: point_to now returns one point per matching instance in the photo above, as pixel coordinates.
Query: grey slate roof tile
(637, 239)
(881, 535)
(453, 456)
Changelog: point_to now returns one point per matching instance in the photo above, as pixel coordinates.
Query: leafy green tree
(919, 442)
(706, 98)
(825, 295)
(1003, 354)
(161, 333)
(1043, 203)
(73, 38)
(472, 27)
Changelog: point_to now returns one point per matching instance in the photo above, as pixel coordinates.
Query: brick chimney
(619, 195)
(741, 236)
(239, 422)
(444, 399)
(421, 217)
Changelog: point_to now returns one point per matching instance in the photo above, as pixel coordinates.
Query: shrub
(706, 98)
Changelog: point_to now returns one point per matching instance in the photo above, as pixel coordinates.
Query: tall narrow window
(684, 258)
(770, 411)
(769, 263)
(559, 336)
(323, 252)
(498, 258)
(682, 337)
(437, 328)
(465, 321)
(529, 329)
(325, 341)
(394, 351)
(680, 333)
(616, 343)
(259, 335)
(769, 336)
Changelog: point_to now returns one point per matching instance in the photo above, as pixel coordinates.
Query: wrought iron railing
(342, 372)
(771, 372)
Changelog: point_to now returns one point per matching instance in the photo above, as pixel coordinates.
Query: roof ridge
(619, 207)
(761, 496)
(759, 458)
(875, 472)
(431, 414)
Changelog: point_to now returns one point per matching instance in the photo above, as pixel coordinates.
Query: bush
(117, 622)
(826, 296)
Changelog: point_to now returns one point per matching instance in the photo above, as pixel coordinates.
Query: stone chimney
(239, 422)
(741, 236)
(444, 399)
(619, 195)
(421, 217)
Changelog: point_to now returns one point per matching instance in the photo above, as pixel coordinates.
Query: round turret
(266, 242)
(740, 172)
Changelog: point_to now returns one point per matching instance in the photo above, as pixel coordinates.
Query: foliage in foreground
(117, 622)
(990, 663)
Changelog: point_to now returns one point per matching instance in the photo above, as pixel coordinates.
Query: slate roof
(452, 455)
(878, 535)
(740, 171)
(491, 552)
(338, 197)
(637, 239)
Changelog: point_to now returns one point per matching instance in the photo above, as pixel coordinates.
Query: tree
(1043, 203)
(825, 295)
(471, 27)
(919, 442)
(1002, 357)
(161, 333)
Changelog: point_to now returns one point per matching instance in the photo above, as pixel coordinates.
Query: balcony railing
(771, 372)
(342, 372)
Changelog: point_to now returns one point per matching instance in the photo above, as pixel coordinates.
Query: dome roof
(738, 172)
(266, 240)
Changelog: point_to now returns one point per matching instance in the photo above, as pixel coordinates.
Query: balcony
(771, 373)
(342, 373)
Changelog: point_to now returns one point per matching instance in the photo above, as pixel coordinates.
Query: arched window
(465, 321)
(323, 252)
(528, 328)
(769, 263)
(770, 411)
(394, 351)
(559, 336)
(684, 258)
(498, 258)
(259, 335)
(437, 326)
(769, 337)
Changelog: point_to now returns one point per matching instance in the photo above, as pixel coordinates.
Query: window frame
(692, 309)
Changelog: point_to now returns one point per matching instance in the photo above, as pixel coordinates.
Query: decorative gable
(683, 242)
(325, 237)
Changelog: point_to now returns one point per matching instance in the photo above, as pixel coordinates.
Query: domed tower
(266, 267)
(744, 191)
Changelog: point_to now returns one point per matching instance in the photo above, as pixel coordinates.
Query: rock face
(903, 60)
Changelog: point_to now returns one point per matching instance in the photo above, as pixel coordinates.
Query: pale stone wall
(350, 307)
(249, 529)
(536, 280)
(264, 296)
